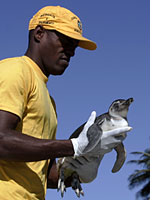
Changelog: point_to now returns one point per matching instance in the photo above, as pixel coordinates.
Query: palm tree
(142, 176)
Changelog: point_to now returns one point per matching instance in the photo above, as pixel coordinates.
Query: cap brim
(83, 42)
(87, 44)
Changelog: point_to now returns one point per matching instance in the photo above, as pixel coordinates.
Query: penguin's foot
(76, 186)
(61, 184)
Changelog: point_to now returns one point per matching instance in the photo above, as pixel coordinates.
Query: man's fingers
(90, 120)
(117, 131)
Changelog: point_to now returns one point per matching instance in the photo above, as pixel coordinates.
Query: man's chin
(58, 72)
(59, 69)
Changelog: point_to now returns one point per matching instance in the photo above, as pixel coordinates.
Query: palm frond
(141, 176)
(145, 192)
(144, 158)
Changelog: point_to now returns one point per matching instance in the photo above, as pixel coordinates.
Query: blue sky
(119, 68)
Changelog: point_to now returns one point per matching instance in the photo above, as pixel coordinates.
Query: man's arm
(52, 179)
(16, 146)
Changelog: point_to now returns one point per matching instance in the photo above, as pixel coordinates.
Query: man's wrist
(75, 146)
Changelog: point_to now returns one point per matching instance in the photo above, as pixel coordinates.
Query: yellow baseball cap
(62, 20)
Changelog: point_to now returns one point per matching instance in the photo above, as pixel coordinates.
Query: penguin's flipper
(94, 135)
(121, 157)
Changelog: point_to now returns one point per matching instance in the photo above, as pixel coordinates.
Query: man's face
(56, 51)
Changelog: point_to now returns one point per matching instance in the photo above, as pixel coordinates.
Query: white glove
(86, 140)
(109, 140)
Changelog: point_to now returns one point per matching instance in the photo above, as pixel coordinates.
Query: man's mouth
(66, 59)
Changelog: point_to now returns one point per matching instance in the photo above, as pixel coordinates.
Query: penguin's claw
(61, 184)
(75, 183)
(76, 186)
(79, 192)
(61, 187)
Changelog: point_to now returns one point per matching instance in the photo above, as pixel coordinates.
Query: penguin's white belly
(113, 123)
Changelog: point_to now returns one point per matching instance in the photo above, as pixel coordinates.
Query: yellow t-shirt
(23, 91)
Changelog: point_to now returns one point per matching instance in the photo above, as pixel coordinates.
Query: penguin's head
(119, 108)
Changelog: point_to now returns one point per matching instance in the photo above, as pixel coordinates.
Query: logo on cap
(79, 25)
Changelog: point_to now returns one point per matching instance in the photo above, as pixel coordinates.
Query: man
(27, 113)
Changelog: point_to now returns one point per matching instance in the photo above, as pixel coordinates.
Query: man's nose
(70, 51)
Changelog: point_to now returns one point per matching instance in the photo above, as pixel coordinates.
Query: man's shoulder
(10, 64)
(16, 71)
(13, 60)
(13, 65)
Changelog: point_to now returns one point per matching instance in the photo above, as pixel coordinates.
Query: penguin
(116, 117)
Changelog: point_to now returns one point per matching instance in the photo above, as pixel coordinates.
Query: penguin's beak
(128, 101)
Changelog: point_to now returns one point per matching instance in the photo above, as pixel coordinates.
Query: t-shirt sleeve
(12, 91)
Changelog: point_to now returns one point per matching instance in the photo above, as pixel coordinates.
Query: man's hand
(92, 140)
(109, 140)
(86, 140)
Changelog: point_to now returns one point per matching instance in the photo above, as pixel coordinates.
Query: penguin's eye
(116, 106)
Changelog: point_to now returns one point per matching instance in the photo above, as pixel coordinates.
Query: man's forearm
(52, 176)
(15, 146)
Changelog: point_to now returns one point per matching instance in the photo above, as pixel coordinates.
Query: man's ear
(39, 32)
